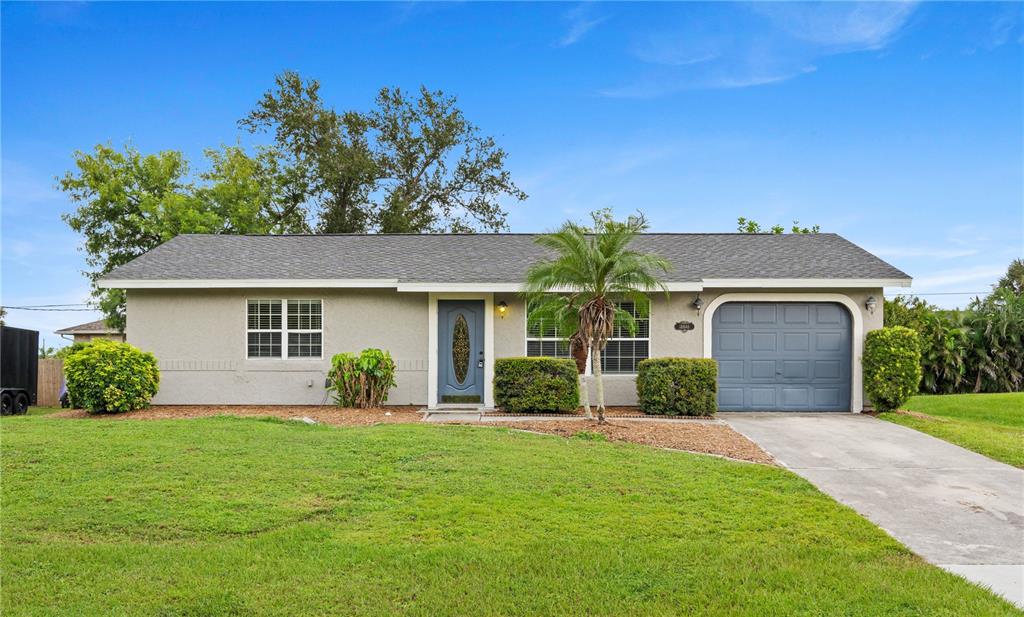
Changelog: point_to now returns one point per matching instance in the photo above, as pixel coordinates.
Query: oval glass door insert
(460, 348)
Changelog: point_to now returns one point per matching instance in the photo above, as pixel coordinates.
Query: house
(86, 332)
(255, 319)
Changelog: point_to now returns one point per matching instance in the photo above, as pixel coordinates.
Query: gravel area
(325, 414)
(703, 438)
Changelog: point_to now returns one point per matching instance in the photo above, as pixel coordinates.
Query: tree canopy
(128, 203)
(750, 226)
(412, 164)
(1013, 280)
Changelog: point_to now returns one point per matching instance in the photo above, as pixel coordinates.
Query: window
(625, 349)
(545, 340)
(264, 329)
(621, 355)
(301, 328)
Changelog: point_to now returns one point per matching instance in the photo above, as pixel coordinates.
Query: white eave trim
(244, 283)
(332, 283)
(87, 332)
(439, 287)
(508, 287)
(802, 283)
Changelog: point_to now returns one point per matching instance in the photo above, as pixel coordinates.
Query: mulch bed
(325, 414)
(610, 412)
(694, 437)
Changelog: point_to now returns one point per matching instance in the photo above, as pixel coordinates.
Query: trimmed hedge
(111, 377)
(892, 366)
(536, 384)
(678, 386)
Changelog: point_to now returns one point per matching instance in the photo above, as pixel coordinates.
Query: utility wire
(49, 305)
(36, 308)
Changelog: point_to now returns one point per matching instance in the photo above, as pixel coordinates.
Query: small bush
(892, 366)
(536, 384)
(111, 377)
(64, 352)
(678, 386)
(363, 380)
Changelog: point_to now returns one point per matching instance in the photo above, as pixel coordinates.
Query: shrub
(892, 366)
(678, 386)
(363, 380)
(111, 377)
(64, 352)
(68, 397)
(536, 384)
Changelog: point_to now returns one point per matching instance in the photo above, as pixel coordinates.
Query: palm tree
(556, 313)
(587, 275)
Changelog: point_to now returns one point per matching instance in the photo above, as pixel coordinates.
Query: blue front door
(460, 351)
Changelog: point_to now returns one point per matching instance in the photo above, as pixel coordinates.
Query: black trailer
(19, 369)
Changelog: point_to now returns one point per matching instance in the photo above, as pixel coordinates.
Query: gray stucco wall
(199, 338)
(666, 341)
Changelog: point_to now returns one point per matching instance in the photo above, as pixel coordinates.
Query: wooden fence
(51, 373)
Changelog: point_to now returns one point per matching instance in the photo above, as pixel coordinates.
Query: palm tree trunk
(585, 397)
(600, 384)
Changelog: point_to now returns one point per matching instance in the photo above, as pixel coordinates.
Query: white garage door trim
(857, 320)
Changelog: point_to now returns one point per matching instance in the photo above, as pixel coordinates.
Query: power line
(36, 308)
(52, 305)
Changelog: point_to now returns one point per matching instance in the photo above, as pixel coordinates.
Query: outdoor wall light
(698, 304)
(870, 304)
(502, 309)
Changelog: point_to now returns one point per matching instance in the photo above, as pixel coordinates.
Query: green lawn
(230, 516)
(41, 411)
(990, 424)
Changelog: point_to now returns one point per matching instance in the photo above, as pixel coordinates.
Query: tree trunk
(585, 397)
(600, 384)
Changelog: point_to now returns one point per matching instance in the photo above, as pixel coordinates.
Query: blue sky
(896, 125)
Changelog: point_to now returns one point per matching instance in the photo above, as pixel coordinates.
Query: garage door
(782, 356)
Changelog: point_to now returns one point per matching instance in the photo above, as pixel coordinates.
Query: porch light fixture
(698, 304)
(870, 304)
(502, 309)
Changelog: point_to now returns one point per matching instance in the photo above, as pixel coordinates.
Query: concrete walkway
(957, 509)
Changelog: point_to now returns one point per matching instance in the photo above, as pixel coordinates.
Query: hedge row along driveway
(228, 516)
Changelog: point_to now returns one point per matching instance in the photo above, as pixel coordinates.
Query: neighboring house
(83, 333)
(256, 319)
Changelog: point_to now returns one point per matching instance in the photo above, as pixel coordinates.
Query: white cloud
(845, 25)
(720, 46)
(580, 23)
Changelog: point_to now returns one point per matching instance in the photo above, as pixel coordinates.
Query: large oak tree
(413, 164)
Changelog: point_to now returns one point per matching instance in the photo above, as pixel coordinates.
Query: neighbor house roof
(92, 327)
(476, 260)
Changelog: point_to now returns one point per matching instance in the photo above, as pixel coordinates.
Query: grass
(230, 516)
(989, 424)
(41, 411)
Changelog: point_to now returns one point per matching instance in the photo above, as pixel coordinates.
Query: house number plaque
(684, 326)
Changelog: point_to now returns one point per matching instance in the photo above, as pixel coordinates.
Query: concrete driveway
(957, 509)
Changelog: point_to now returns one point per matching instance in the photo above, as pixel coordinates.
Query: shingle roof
(491, 258)
(99, 326)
